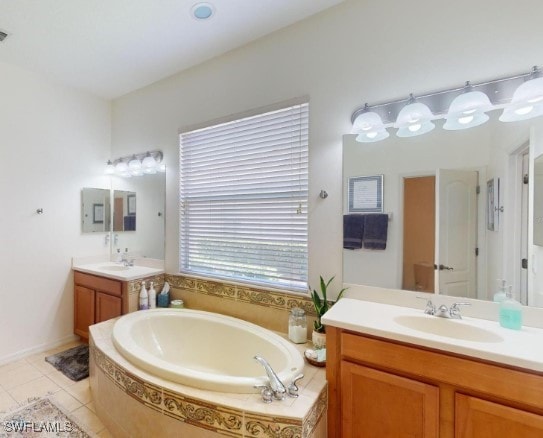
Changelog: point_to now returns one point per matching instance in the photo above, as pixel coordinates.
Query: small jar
(177, 304)
(297, 326)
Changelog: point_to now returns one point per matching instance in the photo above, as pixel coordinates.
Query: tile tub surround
(265, 307)
(132, 402)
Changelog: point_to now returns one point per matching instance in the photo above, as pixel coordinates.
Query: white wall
(53, 142)
(354, 53)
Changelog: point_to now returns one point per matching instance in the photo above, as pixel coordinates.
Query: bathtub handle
(266, 393)
(292, 389)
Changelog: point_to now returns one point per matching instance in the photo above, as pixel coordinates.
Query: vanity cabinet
(96, 299)
(383, 388)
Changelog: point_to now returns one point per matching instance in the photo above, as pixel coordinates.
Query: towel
(353, 230)
(129, 223)
(375, 231)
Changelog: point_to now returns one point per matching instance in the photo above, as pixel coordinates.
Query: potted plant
(321, 307)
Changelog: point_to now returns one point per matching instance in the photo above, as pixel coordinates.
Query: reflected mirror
(138, 215)
(460, 205)
(95, 210)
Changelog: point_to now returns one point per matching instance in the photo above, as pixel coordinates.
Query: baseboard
(37, 349)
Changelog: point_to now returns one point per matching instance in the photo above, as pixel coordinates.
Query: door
(375, 404)
(476, 418)
(456, 232)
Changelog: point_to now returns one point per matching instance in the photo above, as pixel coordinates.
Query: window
(243, 199)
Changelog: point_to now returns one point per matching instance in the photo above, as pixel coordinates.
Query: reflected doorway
(419, 233)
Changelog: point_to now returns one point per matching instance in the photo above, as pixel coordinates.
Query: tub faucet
(277, 387)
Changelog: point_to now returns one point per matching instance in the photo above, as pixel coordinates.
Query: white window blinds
(243, 199)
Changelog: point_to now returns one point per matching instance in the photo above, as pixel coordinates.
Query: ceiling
(112, 47)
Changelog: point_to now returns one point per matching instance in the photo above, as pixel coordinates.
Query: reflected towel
(129, 223)
(375, 231)
(353, 230)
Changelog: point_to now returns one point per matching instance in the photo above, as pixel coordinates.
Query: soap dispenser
(144, 298)
(501, 294)
(152, 296)
(510, 312)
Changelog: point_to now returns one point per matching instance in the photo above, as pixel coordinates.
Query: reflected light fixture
(134, 166)
(527, 101)
(414, 119)
(468, 110)
(369, 127)
(149, 164)
(110, 168)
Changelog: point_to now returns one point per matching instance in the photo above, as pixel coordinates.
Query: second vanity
(104, 290)
(395, 371)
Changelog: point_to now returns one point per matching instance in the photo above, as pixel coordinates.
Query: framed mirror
(95, 210)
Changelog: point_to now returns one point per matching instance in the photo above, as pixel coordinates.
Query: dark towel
(375, 231)
(353, 230)
(130, 223)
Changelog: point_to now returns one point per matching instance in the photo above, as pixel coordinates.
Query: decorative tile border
(199, 413)
(246, 294)
(134, 286)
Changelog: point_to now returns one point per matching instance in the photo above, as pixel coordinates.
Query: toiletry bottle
(144, 297)
(501, 294)
(510, 312)
(152, 296)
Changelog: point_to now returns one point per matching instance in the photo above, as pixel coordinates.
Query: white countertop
(519, 348)
(117, 271)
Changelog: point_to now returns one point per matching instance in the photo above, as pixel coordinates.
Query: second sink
(448, 328)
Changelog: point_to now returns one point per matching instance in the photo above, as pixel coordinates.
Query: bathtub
(204, 350)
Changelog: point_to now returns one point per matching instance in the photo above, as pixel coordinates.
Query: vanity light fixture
(136, 164)
(527, 101)
(468, 110)
(369, 127)
(414, 119)
(520, 96)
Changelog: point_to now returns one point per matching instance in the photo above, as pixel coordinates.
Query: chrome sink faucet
(443, 311)
(125, 260)
(276, 389)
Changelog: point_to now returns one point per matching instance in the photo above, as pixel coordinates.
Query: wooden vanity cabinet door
(83, 310)
(376, 404)
(107, 307)
(477, 418)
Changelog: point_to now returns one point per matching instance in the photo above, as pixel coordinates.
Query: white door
(456, 232)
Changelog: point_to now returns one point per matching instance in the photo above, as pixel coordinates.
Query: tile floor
(32, 377)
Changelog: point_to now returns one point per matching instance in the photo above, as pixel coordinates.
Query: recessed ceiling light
(3, 36)
(202, 11)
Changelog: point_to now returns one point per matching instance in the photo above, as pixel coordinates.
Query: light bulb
(415, 127)
(523, 110)
(121, 168)
(149, 164)
(372, 134)
(110, 168)
(134, 165)
(465, 120)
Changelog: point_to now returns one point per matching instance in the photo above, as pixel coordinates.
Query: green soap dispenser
(510, 312)
(501, 294)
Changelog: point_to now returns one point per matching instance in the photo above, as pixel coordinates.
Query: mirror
(124, 210)
(95, 210)
(538, 201)
(458, 210)
(138, 215)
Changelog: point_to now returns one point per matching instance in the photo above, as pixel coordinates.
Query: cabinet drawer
(102, 284)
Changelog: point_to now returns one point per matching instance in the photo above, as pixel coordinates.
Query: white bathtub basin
(204, 350)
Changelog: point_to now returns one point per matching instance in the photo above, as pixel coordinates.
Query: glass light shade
(134, 165)
(149, 164)
(369, 128)
(414, 119)
(162, 167)
(121, 168)
(468, 110)
(527, 102)
(110, 168)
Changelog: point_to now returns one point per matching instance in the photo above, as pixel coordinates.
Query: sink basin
(114, 268)
(448, 328)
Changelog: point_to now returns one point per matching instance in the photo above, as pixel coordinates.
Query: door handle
(443, 268)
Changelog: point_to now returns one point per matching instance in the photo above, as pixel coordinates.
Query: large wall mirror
(463, 210)
(138, 215)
